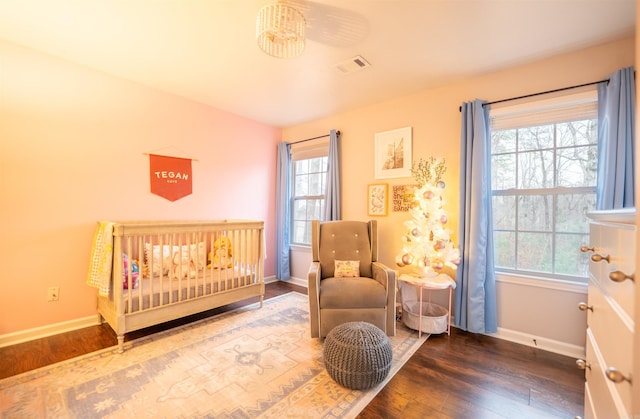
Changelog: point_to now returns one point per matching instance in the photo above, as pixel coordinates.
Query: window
(308, 196)
(309, 175)
(544, 163)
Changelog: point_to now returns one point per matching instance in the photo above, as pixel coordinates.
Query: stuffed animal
(222, 254)
(183, 265)
(135, 272)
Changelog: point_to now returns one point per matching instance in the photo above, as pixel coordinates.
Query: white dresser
(610, 349)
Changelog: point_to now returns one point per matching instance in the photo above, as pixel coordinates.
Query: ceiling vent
(352, 64)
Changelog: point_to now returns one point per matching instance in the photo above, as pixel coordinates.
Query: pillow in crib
(347, 269)
(162, 259)
(196, 253)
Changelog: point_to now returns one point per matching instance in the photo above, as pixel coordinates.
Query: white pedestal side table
(430, 283)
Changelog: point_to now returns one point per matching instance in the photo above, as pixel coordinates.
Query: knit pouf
(357, 355)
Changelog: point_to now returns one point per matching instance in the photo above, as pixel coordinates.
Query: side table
(430, 283)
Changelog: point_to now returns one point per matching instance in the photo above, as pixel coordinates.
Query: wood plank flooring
(464, 375)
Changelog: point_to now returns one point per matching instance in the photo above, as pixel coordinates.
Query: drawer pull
(584, 306)
(585, 249)
(619, 276)
(616, 376)
(582, 364)
(599, 258)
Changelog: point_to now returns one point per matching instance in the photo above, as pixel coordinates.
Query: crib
(166, 270)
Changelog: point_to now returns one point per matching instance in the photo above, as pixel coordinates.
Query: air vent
(352, 64)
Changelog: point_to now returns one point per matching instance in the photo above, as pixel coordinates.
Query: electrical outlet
(53, 294)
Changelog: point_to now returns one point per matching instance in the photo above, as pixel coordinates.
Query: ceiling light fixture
(280, 30)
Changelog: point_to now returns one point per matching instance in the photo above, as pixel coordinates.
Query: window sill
(539, 282)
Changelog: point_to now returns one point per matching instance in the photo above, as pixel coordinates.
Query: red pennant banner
(170, 176)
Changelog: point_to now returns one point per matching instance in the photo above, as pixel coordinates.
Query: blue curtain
(616, 141)
(332, 193)
(475, 309)
(283, 268)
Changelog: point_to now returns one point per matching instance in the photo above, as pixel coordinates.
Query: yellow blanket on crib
(101, 258)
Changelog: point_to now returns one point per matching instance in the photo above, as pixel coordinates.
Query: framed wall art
(393, 153)
(377, 197)
(402, 197)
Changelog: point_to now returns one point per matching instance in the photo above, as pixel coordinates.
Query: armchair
(338, 295)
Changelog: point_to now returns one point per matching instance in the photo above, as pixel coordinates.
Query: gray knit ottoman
(357, 355)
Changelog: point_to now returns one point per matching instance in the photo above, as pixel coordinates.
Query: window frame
(587, 103)
(320, 151)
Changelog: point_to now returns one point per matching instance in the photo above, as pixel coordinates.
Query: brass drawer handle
(619, 276)
(584, 306)
(582, 364)
(585, 249)
(616, 376)
(599, 258)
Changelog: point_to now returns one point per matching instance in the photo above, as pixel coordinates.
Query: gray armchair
(367, 296)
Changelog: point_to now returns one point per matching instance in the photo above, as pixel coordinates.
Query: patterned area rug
(249, 363)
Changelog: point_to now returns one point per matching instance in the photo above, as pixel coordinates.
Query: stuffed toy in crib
(135, 272)
(183, 265)
(222, 254)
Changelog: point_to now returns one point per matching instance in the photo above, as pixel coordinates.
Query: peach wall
(72, 144)
(435, 118)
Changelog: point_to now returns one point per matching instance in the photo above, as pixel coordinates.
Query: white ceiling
(206, 50)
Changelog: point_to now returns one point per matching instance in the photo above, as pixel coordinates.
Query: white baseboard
(54, 329)
(48, 330)
(515, 336)
(543, 343)
(270, 279)
(546, 344)
(298, 281)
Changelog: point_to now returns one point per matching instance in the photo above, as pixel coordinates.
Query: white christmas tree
(427, 247)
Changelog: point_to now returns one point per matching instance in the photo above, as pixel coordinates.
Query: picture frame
(377, 198)
(393, 153)
(402, 197)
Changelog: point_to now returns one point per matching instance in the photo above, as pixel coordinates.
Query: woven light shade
(280, 31)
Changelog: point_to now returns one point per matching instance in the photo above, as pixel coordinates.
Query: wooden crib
(166, 270)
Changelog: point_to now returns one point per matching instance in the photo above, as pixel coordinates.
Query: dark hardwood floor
(464, 375)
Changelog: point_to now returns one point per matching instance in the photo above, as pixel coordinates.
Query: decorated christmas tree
(427, 247)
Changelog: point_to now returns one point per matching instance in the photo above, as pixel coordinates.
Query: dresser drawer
(618, 242)
(612, 330)
(604, 401)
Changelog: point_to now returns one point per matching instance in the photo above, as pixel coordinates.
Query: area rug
(248, 363)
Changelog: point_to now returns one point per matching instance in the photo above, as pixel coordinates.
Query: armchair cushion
(352, 293)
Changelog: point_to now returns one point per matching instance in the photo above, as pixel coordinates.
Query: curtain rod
(314, 138)
(542, 93)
